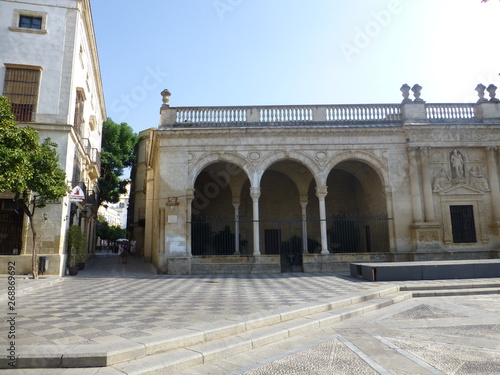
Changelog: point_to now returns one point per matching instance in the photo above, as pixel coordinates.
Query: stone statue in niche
(457, 162)
(477, 179)
(441, 181)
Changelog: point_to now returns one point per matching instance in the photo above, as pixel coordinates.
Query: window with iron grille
(462, 224)
(21, 90)
(30, 22)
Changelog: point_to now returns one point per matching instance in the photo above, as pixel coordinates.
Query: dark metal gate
(352, 233)
(11, 227)
(286, 238)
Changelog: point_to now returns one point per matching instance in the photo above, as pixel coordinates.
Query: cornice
(251, 132)
(89, 29)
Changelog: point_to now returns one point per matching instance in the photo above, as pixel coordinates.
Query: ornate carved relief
(254, 156)
(477, 179)
(321, 156)
(459, 174)
(441, 181)
(428, 236)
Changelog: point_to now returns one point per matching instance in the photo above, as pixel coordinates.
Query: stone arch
(300, 180)
(379, 167)
(278, 156)
(358, 202)
(199, 165)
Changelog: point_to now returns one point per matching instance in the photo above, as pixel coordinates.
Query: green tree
(117, 154)
(29, 169)
(109, 232)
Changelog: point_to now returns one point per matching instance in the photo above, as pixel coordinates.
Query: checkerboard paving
(110, 302)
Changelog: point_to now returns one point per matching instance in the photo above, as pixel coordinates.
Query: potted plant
(76, 244)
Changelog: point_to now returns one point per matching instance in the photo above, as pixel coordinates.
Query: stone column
(303, 203)
(255, 194)
(414, 186)
(321, 193)
(162, 232)
(236, 205)
(189, 213)
(427, 186)
(494, 183)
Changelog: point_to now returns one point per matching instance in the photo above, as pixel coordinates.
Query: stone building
(49, 72)
(313, 188)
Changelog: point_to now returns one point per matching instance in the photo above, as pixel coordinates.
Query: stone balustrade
(415, 111)
(451, 112)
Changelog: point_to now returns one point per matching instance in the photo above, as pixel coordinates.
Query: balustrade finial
(405, 89)
(492, 91)
(480, 88)
(166, 98)
(417, 92)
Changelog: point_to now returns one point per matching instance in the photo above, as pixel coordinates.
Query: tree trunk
(34, 259)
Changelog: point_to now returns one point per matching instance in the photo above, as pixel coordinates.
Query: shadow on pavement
(107, 264)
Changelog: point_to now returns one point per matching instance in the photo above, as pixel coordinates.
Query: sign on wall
(77, 195)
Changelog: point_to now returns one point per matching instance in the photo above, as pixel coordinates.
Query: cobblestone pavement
(440, 336)
(109, 302)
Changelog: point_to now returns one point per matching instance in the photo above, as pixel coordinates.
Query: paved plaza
(118, 305)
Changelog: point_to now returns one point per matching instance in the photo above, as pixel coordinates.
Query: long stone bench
(430, 270)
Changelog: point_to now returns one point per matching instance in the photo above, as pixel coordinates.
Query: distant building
(313, 188)
(49, 72)
(116, 213)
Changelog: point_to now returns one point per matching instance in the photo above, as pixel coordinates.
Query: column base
(179, 266)
(495, 228)
(427, 236)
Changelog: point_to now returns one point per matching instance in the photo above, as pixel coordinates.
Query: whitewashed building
(313, 188)
(116, 214)
(49, 72)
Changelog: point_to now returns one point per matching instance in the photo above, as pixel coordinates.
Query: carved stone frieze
(455, 134)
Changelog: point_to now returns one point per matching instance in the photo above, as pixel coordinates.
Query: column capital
(321, 191)
(491, 149)
(189, 195)
(255, 192)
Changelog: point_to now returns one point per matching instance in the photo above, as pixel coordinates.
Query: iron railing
(346, 234)
(353, 233)
(217, 236)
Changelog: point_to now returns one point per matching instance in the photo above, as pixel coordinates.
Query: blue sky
(287, 52)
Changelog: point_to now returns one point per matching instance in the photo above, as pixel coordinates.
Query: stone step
(454, 292)
(450, 286)
(181, 359)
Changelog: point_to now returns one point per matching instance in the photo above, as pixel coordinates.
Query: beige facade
(312, 188)
(60, 95)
